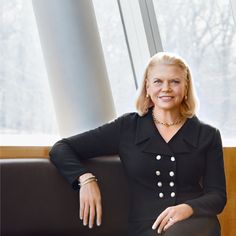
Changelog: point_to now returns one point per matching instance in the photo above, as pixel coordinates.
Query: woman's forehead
(163, 70)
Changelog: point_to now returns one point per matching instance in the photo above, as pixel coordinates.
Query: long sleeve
(213, 200)
(68, 154)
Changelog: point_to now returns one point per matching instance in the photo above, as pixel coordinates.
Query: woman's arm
(214, 198)
(69, 153)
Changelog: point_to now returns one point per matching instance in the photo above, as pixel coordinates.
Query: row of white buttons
(158, 157)
(159, 184)
(161, 195)
(171, 173)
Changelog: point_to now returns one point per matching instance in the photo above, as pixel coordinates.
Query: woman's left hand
(171, 215)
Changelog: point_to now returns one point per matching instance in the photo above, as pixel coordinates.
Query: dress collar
(183, 141)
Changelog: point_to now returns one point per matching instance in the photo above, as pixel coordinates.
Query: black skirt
(194, 226)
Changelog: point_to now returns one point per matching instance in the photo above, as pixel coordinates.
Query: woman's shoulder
(128, 120)
(206, 127)
(129, 116)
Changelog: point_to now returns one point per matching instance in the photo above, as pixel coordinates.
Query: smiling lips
(166, 98)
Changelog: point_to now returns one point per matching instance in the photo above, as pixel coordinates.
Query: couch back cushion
(36, 200)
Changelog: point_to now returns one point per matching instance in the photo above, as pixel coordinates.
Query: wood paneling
(24, 151)
(228, 217)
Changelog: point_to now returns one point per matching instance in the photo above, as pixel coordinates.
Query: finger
(159, 219)
(169, 224)
(162, 224)
(86, 213)
(91, 215)
(99, 213)
(156, 223)
(81, 209)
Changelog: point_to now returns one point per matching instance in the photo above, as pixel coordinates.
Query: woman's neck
(167, 116)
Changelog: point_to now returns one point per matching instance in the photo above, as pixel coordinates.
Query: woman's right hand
(90, 203)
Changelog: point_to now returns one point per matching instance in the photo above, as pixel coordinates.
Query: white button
(171, 184)
(172, 194)
(172, 158)
(158, 172)
(171, 173)
(158, 157)
(159, 184)
(161, 195)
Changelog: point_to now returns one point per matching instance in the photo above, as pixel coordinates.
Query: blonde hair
(188, 106)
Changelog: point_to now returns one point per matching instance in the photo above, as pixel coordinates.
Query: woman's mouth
(166, 98)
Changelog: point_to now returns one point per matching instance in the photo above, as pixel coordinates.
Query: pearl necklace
(165, 123)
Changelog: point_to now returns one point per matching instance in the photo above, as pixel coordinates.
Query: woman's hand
(171, 215)
(90, 203)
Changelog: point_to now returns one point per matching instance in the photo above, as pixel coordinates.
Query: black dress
(188, 169)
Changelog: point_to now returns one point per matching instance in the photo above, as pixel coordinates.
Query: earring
(185, 97)
(147, 96)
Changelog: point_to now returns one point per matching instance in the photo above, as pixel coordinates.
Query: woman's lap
(194, 226)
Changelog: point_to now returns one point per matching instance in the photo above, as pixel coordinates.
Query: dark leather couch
(36, 200)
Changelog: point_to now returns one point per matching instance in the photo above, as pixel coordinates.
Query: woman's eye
(175, 81)
(157, 81)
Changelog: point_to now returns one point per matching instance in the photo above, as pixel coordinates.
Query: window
(26, 105)
(116, 54)
(204, 33)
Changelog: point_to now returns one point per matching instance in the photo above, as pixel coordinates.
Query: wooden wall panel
(24, 151)
(228, 217)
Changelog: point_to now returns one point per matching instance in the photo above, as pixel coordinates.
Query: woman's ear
(146, 85)
(186, 92)
(186, 87)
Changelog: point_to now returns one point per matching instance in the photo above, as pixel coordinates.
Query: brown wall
(228, 217)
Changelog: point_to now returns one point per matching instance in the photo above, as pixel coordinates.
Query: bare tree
(203, 32)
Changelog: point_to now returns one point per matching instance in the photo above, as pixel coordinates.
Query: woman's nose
(166, 86)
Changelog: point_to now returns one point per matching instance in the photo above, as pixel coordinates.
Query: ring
(170, 219)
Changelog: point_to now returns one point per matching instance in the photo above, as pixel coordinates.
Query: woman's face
(166, 85)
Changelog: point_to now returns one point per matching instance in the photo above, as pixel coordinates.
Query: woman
(174, 162)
